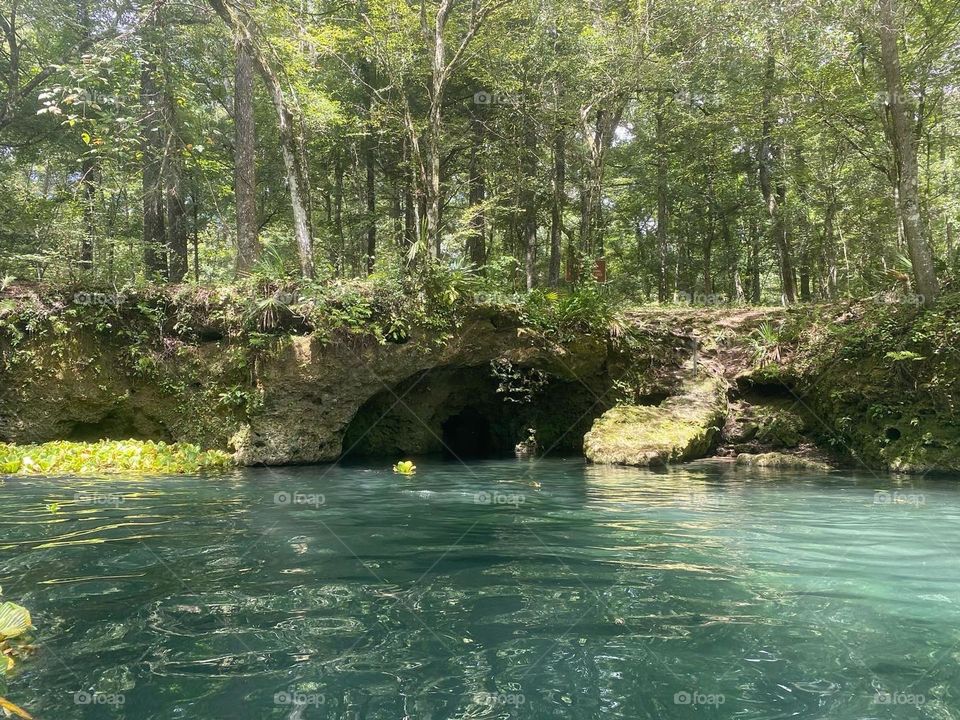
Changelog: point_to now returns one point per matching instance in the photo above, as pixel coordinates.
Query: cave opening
(463, 413)
(467, 435)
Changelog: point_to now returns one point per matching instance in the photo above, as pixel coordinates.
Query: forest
(473, 359)
(699, 152)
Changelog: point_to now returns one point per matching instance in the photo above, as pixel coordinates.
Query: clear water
(505, 589)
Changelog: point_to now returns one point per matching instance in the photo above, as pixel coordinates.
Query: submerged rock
(781, 461)
(683, 427)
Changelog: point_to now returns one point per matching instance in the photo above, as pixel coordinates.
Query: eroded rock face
(683, 427)
(293, 400)
(311, 390)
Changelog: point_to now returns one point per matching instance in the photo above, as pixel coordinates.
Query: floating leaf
(405, 467)
(14, 620)
(14, 709)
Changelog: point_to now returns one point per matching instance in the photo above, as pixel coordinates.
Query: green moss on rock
(781, 461)
(683, 427)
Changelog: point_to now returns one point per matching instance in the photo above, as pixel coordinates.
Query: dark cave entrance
(467, 435)
(464, 413)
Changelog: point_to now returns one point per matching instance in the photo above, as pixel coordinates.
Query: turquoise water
(504, 589)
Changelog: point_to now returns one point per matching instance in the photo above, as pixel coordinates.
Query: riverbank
(276, 376)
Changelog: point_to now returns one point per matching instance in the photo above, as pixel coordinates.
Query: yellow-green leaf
(14, 620)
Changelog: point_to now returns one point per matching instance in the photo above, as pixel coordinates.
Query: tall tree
(904, 140)
(245, 160)
(292, 142)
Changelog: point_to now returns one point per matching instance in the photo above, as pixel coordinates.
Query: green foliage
(767, 344)
(405, 467)
(586, 309)
(111, 456)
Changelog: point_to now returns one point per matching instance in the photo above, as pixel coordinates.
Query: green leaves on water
(405, 467)
(14, 620)
(109, 456)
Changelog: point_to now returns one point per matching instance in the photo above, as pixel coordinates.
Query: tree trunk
(476, 241)
(195, 208)
(830, 244)
(152, 145)
(175, 201)
(662, 200)
(773, 189)
(371, 163)
(370, 160)
(755, 288)
(291, 145)
(245, 165)
(528, 203)
(88, 170)
(341, 250)
(556, 210)
(905, 149)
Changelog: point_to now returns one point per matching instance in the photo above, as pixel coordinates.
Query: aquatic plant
(110, 456)
(405, 467)
(15, 622)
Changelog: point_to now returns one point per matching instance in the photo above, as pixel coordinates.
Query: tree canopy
(705, 152)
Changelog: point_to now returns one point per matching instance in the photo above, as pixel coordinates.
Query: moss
(683, 427)
(128, 456)
(884, 379)
(778, 424)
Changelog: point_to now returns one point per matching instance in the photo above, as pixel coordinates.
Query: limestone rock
(683, 427)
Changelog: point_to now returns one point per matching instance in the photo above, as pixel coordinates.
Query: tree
(904, 139)
(292, 143)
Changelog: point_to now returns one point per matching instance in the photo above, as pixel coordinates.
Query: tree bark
(477, 241)
(152, 143)
(528, 203)
(556, 210)
(175, 201)
(773, 189)
(370, 159)
(291, 144)
(88, 171)
(244, 160)
(755, 287)
(341, 249)
(904, 140)
(660, 142)
(830, 244)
